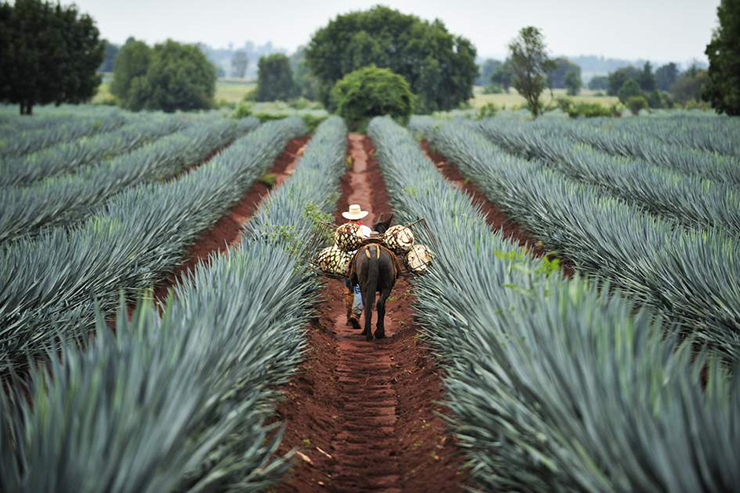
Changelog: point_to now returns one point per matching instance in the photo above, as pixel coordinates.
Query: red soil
(227, 231)
(495, 218)
(362, 415)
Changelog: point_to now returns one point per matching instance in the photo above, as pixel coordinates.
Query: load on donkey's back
(350, 258)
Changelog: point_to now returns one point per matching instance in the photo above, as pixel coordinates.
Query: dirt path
(228, 229)
(362, 414)
(494, 217)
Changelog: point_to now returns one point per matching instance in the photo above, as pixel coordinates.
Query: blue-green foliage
(180, 402)
(140, 236)
(554, 384)
(67, 200)
(691, 276)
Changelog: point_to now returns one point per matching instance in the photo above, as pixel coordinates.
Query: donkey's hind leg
(380, 328)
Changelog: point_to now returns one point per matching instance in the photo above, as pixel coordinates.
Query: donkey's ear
(390, 220)
(380, 219)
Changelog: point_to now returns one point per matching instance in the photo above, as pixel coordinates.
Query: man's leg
(349, 298)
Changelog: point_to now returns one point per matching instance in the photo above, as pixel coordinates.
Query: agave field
(622, 377)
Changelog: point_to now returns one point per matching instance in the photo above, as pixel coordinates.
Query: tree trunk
(23, 108)
(29, 108)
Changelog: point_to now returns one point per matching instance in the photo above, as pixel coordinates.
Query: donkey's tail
(371, 285)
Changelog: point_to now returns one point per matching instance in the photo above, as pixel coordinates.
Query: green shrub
(242, 111)
(486, 111)
(369, 92)
(584, 110)
(493, 89)
(629, 89)
(637, 103)
(659, 99)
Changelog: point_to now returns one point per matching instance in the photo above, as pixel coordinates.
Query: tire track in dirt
(495, 218)
(362, 414)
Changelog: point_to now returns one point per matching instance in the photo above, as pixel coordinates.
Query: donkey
(375, 270)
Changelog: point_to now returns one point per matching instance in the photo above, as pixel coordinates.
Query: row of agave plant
(180, 402)
(51, 283)
(67, 157)
(73, 128)
(692, 276)
(637, 141)
(704, 132)
(689, 199)
(64, 201)
(555, 384)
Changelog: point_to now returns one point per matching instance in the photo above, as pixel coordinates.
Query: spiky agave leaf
(554, 384)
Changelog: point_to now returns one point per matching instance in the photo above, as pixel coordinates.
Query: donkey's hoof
(354, 323)
(380, 334)
(369, 337)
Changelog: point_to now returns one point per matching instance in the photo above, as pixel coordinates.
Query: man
(353, 296)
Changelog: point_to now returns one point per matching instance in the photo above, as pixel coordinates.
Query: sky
(658, 30)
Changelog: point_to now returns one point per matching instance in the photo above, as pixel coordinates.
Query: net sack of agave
(419, 258)
(348, 237)
(333, 261)
(399, 239)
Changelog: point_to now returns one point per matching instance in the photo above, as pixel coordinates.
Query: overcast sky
(660, 30)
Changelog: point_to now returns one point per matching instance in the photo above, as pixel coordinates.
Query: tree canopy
(369, 92)
(49, 53)
(723, 87)
(666, 76)
(561, 67)
(530, 65)
(169, 77)
(439, 66)
(485, 71)
(275, 78)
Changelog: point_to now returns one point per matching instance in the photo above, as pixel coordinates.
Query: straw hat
(355, 212)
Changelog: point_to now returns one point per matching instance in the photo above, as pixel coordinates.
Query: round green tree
(49, 53)
(369, 92)
(438, 65)
(169, 77)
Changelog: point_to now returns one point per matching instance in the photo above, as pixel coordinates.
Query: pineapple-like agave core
(348, 237)
(399, 239)
(419, 258)
(332, 260)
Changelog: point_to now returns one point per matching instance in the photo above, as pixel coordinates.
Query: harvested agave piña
(332, 260)
(348, 237)
(399, 239)
(419, 258)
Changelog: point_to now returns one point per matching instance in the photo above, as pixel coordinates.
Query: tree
(486, 71)
(619, 77)
(573, 83)
(723, 86)
(38, 34)
(599, 83)
(502, 75)
(666, 76)
(630, 89)
(646, 80)
(439, 66)
(274, 79)
(529, 64)
(132, 62)
(306, 84)
(369, 92)
(109, 55)
(636, 103)
(690, 85)
(561, 67)
(169, 77)
(239, 64)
